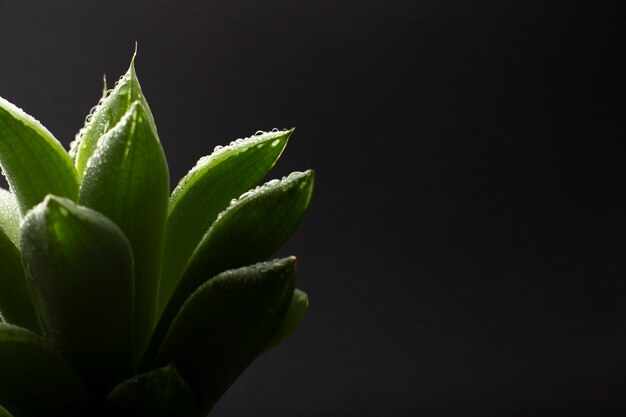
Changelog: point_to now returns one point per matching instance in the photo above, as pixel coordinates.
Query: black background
(464, 250)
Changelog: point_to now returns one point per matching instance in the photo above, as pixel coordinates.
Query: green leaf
(248, 231)
(79, 269)
(296, 313)
(127, 180)
(227, 323)
(109, 111)
(33, 161)
(206, 190)
(16, 306)
(10, 216)
(34, 381)
(159, 393)
(4, 412)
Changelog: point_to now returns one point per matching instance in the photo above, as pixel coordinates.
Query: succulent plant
(118, 298)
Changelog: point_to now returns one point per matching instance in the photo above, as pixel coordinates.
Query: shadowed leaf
(34, 381)
(158, 393)
(227, 323)
(79, 269)
(296, 313)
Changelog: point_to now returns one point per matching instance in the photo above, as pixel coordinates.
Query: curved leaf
(34, 381)
(10, 216)
(127, 180)
(16, 306)
(297, 311)
(248, 231)
(33, 161)
(158, 393)
(4, 412)
(79, 268)
(109, 111)
(227, 323)
(206, 190)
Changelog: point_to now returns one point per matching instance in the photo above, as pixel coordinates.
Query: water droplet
(218, 148)
(275, 130)
(259, 133)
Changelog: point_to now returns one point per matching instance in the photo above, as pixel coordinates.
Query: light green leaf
(248, 231)
(227, 323)
(34, 381)
(109, 111)
(10, 216)
(33, 161)
(80, 272)
(16, 306)
(158, 393)
(127, 180)
(297, 311)
(206, 190)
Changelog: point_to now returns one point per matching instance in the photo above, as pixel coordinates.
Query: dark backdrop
(464, 250)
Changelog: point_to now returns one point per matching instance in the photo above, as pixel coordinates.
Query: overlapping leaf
(298, 307)
(206, 190)
(33, 161)
(158, 393)
(227, 323)
(79, 268)
(127, 180)
(249, 231)
(34, 381)
(109, 111)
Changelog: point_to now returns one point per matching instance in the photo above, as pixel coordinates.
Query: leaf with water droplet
(110, 109)
(34, 380)
(205, 191)
(227, 323)
(249, 231)
(79, 268)
(127, 180)
(33, 161)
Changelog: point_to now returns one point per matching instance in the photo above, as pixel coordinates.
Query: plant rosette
(117, 297)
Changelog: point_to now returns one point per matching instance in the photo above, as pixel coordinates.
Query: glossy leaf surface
(158, 393)
(127, 180)
(227, 323)
(206, 190)
(34, 381)
(249, 231)
(79, 268)
(33, 161)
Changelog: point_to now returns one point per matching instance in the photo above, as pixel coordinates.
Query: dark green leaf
(206, 190)
(127, 180)
(4, 412)
(33, 161)
(227, 323)
(79, 268)
(106, 115)
(159, 393)
(249, 231)
(34, 381)
(296, 313)
(10, 216)
(16, 306)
